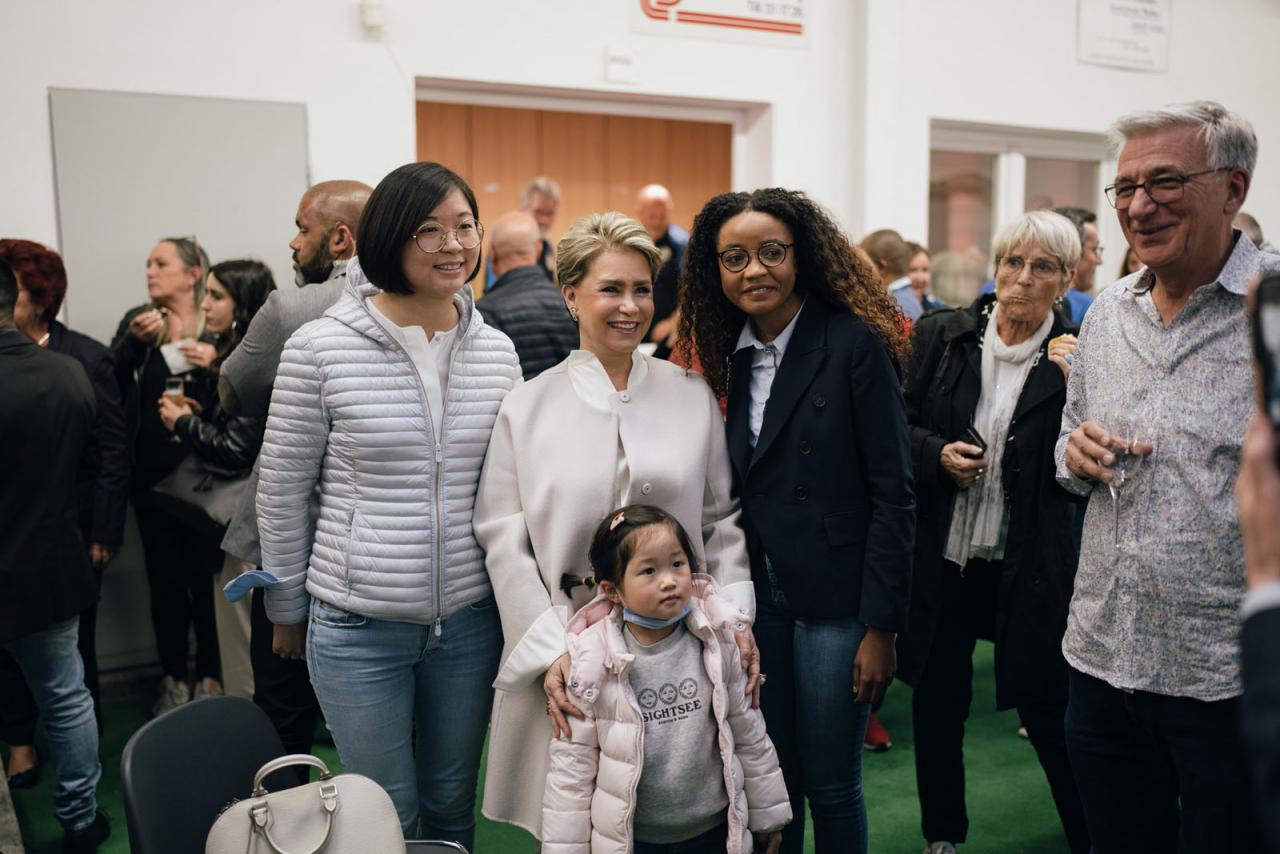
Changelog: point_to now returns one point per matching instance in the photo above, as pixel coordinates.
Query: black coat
(826, 493)
(132, 359)
(102, 502)
(1260, 716)
(1038, 571)
(528, 308)
(46, 424)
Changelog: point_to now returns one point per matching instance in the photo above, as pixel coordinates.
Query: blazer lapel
(738, 420)
(805, 354)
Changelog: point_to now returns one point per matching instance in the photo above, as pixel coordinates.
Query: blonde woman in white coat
(606, 427)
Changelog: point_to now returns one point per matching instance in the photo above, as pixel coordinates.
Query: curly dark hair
(828, 267)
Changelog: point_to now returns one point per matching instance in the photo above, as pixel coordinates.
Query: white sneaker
(207, 687)
(173, 693)
(939, 848)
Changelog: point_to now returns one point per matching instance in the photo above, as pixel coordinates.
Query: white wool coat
(589, 800)
(549, 478)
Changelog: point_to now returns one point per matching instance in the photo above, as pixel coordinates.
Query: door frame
(752, 122)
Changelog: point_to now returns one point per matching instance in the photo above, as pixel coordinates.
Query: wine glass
(1128, 430)
(175, 387)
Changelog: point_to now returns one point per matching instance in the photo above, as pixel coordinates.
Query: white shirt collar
(899, 284)
(591, 382)
(747, 337)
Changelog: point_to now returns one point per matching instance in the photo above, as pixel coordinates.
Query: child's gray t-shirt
(681, 793)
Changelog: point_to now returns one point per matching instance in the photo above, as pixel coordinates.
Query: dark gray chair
(180, 770)
(423, 846)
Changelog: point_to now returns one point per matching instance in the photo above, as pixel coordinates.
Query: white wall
(850, 115)
(359, 89)
(1012, 63)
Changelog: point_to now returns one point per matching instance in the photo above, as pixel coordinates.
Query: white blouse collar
(592, 384)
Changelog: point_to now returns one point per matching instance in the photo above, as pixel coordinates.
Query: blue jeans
(51, 663)
(379, 682)
(815, 725)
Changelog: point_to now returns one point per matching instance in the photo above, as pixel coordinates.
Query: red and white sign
(776, 22)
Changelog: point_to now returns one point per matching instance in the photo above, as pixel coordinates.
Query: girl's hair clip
(617, 520)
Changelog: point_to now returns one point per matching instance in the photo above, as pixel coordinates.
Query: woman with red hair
(42, 284)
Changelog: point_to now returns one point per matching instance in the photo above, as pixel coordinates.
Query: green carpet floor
(1010, 809)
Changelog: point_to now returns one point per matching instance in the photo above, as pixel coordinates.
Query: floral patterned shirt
(1160, 613)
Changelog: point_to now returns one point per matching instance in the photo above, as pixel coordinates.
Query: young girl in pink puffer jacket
(670, 750)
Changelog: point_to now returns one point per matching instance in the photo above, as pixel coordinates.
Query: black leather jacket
(227, 442)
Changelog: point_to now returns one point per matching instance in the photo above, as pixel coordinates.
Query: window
(981, 177)
(961, 211)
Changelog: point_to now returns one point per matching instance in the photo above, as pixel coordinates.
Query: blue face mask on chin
(653, 622)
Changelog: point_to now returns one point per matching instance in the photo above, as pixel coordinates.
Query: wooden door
(600, 161)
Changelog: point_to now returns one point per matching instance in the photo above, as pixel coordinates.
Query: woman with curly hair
(797, 331)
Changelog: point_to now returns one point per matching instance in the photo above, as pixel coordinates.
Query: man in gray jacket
(328, 218)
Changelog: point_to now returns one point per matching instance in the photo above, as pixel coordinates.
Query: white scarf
(978, 520)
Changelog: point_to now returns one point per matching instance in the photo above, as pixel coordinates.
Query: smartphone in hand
(973, 437)
(1266, 346)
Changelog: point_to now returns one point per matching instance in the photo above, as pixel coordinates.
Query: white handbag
(339, 814)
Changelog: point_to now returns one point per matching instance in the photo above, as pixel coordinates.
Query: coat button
(805, 447)
(819, 401)
(625, 397)
(801, 493)
(646, 489)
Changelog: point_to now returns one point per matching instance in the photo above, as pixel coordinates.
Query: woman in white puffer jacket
(386, 404)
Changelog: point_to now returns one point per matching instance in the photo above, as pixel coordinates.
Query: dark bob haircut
(615, 540)
(398, 205)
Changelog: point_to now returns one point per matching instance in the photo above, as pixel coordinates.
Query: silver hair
(542, 186)
(1052, 232)
(1228, 137)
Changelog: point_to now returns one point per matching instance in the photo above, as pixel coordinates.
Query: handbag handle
(285, 762)
(260, 812)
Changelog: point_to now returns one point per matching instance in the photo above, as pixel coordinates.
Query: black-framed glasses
(1161, 190)
(431, 237)
(770, 253)
(1041, 268)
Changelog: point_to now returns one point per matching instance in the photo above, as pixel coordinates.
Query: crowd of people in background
(662, 514)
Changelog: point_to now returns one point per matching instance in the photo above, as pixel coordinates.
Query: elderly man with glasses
(1156, 410)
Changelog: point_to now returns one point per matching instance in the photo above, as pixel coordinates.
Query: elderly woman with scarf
(994, 557)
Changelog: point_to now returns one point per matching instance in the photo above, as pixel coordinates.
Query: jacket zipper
(444, 406)
(437, 568)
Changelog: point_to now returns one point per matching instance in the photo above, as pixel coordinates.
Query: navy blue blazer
(827, 492)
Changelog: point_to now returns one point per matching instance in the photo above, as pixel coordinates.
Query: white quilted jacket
(348, 415)
(589, 799)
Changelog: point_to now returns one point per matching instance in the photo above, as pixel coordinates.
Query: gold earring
(573, 313)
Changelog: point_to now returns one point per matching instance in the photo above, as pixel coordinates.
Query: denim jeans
(815, 725)
(53, 670)
(379, 682)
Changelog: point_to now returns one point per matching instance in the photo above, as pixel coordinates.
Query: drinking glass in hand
(1127, 431)
(175, 388)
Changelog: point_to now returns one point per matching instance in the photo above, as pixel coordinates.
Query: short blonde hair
(1054, 233)
(595, 233)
